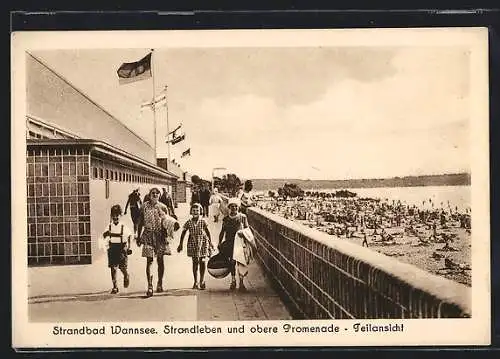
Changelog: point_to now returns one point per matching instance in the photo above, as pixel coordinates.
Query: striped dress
(231, 225)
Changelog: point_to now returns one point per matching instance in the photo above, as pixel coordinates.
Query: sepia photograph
(299, 185)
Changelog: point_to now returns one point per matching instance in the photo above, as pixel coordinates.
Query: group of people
(155, 223)
(199, 245)
(347, 216)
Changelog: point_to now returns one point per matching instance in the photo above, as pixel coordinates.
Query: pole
(154, 100)
(168, 129)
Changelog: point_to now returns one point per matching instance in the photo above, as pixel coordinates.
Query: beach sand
(430, 256)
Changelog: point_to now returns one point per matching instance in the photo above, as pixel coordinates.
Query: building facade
(80, 161)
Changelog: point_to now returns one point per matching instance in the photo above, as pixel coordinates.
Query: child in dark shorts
(116, 238)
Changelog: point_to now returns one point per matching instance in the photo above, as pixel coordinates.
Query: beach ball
(218, 266)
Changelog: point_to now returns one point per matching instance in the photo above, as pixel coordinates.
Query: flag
(186, 153)
(178, 139)
(173, 132)
(135, 71)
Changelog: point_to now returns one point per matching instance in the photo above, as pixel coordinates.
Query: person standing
(151, 236)
(205, 199)
(199, 244)
(215, 203)
(231, 224)
(195, 195)
(134, 200)
(116, 239)
(166, 199)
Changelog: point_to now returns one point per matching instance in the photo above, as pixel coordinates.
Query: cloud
(414, 123)
(274, 112)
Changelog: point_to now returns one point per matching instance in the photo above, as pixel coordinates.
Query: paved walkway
(81, 292)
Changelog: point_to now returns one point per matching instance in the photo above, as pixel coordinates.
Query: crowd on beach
(373, 219)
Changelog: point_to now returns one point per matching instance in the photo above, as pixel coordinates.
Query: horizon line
(366, 178)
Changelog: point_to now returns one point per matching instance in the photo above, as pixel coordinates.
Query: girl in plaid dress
(199, 243)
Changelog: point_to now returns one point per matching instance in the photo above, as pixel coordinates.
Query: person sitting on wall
(134, 200)
(116, 238)
(151, 236)
(246, 197)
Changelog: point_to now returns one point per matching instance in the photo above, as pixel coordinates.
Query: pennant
(178, 139)
(135, 71)
(186, 153)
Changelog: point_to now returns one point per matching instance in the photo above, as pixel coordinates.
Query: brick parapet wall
(323, 277)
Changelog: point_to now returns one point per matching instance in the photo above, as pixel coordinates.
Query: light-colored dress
(215, 202)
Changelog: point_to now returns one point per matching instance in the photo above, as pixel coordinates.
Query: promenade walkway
(82, 293)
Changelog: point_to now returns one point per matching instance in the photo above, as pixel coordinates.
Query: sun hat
(154, 189)
(233, 200)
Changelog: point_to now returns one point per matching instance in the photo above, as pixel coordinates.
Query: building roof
(101, 149)
(52, 98)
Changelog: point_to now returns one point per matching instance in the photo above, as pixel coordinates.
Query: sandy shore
(429, 256)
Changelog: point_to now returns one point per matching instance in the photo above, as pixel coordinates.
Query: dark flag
(186, 153)
(135, 71)
(178, 139)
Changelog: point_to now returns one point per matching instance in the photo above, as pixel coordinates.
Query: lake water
(457, 196)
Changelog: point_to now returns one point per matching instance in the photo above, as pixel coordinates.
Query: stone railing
(324, 277)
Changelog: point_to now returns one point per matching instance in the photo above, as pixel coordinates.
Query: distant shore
(456, 179)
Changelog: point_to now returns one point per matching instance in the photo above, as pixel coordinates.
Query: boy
(117, 240)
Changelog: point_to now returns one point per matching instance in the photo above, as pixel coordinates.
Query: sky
(305, 112)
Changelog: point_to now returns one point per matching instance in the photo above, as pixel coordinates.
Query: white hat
(233, 200)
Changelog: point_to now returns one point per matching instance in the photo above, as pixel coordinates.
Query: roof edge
(97, 145)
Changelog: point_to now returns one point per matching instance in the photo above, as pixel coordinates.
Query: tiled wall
(58, 206)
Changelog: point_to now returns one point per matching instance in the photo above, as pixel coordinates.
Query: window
(101, 173)
(106, 189)
(94, 172)
(107, 176)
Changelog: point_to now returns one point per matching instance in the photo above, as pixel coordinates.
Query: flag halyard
(135, 71)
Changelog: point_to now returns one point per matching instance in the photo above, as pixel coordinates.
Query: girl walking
(199, 244)
(231, 224)
(151, 235)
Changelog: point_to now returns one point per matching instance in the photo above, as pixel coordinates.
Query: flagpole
(168, 128)
(154, 100)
